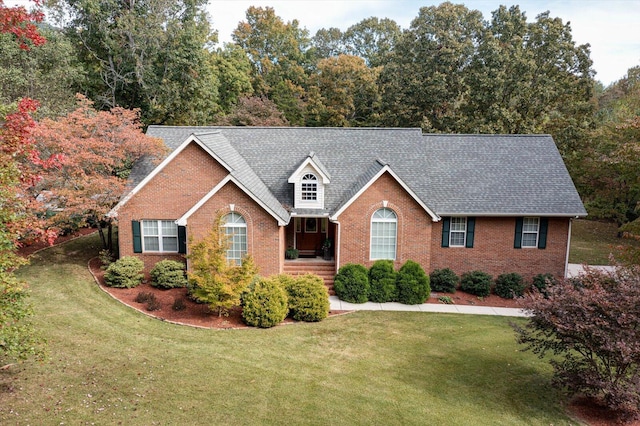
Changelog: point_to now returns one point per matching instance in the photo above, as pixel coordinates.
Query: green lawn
(592, 242)
(109, 364)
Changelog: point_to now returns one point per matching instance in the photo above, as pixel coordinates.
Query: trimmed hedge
(308, 297)
(444, 280)
(382, 281)
(264, 305)
(509, 286)
(126, 272)
(168, 274)
(477, 283)
(412, 284)
(351, 284)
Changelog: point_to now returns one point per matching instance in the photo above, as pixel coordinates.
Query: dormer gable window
(309, 187)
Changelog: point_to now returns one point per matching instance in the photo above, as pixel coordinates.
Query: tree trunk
(110, 237)
(102, 237)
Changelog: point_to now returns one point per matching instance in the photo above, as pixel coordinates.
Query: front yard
(109, 364)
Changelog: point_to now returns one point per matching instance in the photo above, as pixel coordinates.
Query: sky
(611, 27)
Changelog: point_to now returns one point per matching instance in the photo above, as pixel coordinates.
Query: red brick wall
(493, 250)
(414, 225)
(177, 188)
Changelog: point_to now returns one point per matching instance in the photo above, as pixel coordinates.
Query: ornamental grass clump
(509, 286)
(308, 297)
(476, 282)
(168, 274)
(444, 281)
(264, 303)
(382, 281)
(412, 284)
(351, 284)
(126, 272)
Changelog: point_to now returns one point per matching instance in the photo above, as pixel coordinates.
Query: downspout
(566, 260)
(338, 245)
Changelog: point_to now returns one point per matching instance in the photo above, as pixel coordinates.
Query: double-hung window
(384, 232)
(530, 230)
(236, 230)
(458, 232)
(160, 236)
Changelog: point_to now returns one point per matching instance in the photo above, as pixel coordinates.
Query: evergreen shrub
(168, 274)
(382, 281)
(351, 284)
(543, 281)
(264, 304)
(308, 297)
(444, 281)
(477, 283)
(412, 284)
(509, 286)
(126, 272)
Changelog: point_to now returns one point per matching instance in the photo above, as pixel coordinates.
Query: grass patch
(110, 364)
(593, 242)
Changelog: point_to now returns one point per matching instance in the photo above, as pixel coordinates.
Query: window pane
(456, 239)
(151, 243)
(383, 240)
(458, 224)
(169, 244)
(150, 227)
(529, 240)
(530, 224)
(169, 228)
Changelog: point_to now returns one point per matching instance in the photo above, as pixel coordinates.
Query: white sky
(611, 27)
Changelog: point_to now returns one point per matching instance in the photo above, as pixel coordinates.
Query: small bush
(352, 283)
(143, 297)
(542, 281)
(476, 282)
(124, 273)
(153, 304)
(382, 281)
(264, 304)
(179, 304)
(444, 281)
(308, 298)
(168, 274)
(509, 286)
(447, 300)
(412, 284)
(106, 258)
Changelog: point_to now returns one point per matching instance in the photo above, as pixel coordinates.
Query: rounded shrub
(542, 281)
(308, 298)
(509, 286)
(351, 284)
(264, 304)
(476, 282)
(126, 272)
(168, 274)
(382, 281)
(412, 284)
(444, 281)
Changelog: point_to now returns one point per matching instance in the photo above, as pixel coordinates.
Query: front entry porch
(311, 237)
(325, 269)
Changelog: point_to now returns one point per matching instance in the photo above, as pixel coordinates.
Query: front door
(310, 233)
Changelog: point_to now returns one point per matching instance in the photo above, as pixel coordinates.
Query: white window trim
(309, 188)
(160, 236)
(537, 232)
(383, 220)
(230, 225)
(463, 232)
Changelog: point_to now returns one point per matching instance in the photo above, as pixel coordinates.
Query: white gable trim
(192, 138)
(295, 176)
(386, 168)
(182, 221)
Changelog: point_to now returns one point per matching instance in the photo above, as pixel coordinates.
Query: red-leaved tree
(22, 23)
(98, 150)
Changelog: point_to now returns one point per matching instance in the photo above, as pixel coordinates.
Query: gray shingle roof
(451, 174)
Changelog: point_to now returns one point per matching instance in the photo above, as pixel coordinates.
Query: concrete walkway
(339, 305)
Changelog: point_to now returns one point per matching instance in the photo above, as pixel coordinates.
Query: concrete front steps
(325, 269)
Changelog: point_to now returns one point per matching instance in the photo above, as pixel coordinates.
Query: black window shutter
(471, 228)
(517, 242)
(446, 224)
(137, 236)
(542, 237)
(182, 239)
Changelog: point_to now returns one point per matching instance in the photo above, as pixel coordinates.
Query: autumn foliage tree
(98, 150)
(212, 279)
(591, 327)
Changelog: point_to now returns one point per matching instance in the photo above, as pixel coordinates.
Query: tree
(254, 111)
(22, 24)
(99, 148)
(213, 280)
(233, 69)
(50, 73)
(372, 39)
(149, 55)
(591, 327)
(328, 43)
(278, 55)
(348, 92)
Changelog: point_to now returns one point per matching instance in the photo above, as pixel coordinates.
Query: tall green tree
(278, 53)
(147, 54)
(233, 70)
(372, 39)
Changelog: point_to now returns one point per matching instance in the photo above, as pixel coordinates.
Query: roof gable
(313, 161)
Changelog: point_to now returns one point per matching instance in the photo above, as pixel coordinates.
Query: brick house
(496, 203)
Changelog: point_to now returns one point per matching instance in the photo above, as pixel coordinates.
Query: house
(496, 203)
